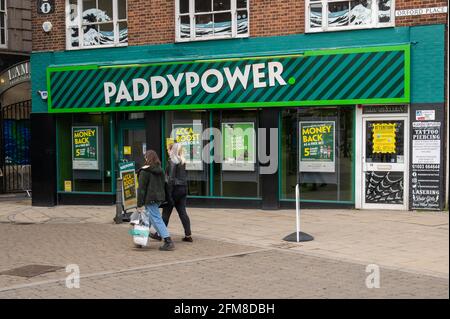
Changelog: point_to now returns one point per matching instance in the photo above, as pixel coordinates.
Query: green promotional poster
(190, 136)
(85, 147)
(317, 140)
(238, 146)
(129, 185)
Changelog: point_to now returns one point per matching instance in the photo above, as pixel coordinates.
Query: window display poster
(384, 138)
(129, 185)
(317, 146)
(67, 186)
(85, 147)
(238, 146)
(190, 136)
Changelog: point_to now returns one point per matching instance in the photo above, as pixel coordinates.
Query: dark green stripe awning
(328, 77)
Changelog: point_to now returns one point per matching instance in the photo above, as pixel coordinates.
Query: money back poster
(317, 146)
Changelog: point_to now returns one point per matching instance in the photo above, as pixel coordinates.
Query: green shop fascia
(111, 105)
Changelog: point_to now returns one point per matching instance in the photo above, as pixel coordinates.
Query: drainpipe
(447, 126)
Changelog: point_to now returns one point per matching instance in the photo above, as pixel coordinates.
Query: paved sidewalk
(408, 241)
(111, 268)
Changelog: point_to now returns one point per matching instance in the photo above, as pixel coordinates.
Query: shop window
(334, 15)
(3, 24)
(96, 23)
(186, 128)
(84, 153)
(237, 175)
(211, 19)
(317, 152)
(230, 169)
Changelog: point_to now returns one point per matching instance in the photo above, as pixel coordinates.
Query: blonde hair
(177, 154)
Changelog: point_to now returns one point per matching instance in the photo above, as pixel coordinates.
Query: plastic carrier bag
(135, 218)
(140, 231)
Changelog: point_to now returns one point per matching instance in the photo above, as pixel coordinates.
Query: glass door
(132, 142)
(384, 163)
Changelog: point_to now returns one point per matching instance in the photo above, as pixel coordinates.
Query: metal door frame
(360, 160)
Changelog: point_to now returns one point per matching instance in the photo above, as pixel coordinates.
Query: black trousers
(179, 194)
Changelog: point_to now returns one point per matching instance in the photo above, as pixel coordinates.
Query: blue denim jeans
(153, 217)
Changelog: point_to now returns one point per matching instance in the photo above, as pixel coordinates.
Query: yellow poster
(384, 138)
(129, 189)
(127, 150)
(67, 186)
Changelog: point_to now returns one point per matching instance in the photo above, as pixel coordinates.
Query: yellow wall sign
(67, 186)
(127, 150)
(384, 138)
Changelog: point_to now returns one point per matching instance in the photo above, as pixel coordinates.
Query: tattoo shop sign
(426, 165)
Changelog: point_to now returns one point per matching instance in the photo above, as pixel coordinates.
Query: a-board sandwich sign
(129, 185)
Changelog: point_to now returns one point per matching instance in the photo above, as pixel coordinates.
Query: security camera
(43, 94)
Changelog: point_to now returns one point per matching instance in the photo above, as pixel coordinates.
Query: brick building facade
(153, 22)
(340, 64)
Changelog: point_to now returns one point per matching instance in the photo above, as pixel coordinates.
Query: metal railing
(15, 137)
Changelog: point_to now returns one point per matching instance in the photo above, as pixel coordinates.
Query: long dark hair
(151, 158)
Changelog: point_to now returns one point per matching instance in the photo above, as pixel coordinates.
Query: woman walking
(151, 194)
(177, 182)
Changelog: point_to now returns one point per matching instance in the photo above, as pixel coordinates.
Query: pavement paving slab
(257, 274)
(235, 254)
(93, 247)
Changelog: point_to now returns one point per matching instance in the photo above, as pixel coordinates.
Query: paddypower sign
(349, 76)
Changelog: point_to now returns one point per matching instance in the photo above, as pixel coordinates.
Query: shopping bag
(135, 218)
(140, 234)
(140, 231)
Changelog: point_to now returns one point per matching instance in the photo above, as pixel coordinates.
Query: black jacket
(151, 185)
(176, 174)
